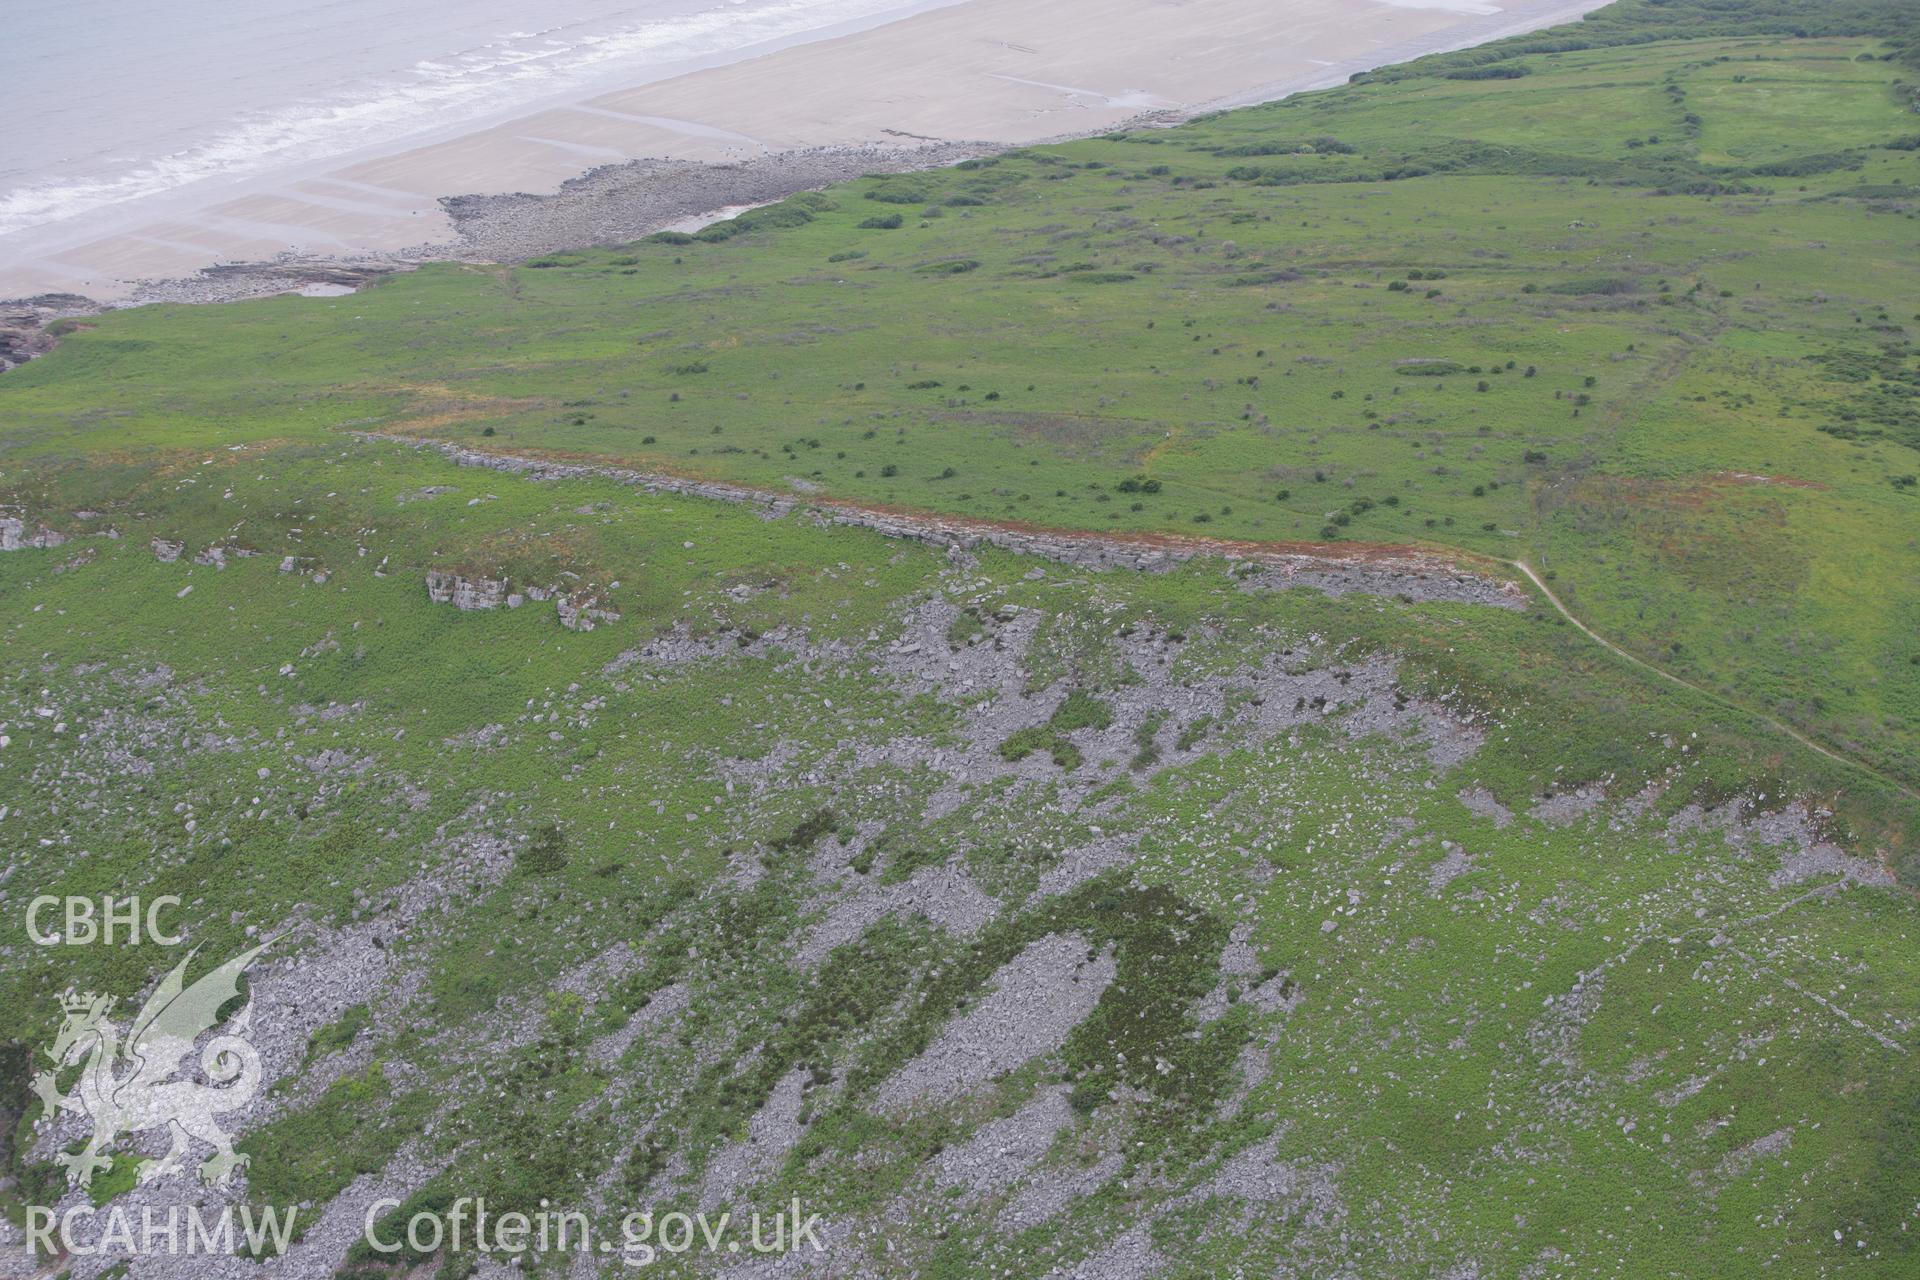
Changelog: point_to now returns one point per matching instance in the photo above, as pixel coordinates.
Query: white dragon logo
(148, 1096)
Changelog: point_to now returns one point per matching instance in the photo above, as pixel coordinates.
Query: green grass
(636, 779)
(1079, 710)
(1554, 1050)
(1257, 348)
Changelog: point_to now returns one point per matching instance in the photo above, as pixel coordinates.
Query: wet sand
(926, 89)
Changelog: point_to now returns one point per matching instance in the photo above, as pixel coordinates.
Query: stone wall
(1410, 573)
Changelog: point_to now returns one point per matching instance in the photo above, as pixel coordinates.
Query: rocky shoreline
(610, 205)
(26, 325)
(619, 203)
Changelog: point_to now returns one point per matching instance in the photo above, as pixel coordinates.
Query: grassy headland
(1417, 936)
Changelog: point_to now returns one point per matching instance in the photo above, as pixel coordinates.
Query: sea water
(107, 103)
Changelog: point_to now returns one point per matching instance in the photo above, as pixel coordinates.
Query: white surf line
(1670, 678)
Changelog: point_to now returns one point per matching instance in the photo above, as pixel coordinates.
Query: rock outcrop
(465, 593)
(582, 612)
(26, 328)
(14, 536)
(218, 554)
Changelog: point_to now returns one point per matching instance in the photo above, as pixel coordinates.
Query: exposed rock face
(1004, 1150)
(1039, 997)
(14, 536)
(582, 612)
(230, 282)
(21, 338)
(301, 274)
(1483, 802)
(771, 1133)
(945, 895)
(166, 551)
(465, 593)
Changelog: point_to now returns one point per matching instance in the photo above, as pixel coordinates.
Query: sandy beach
(928, 88)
